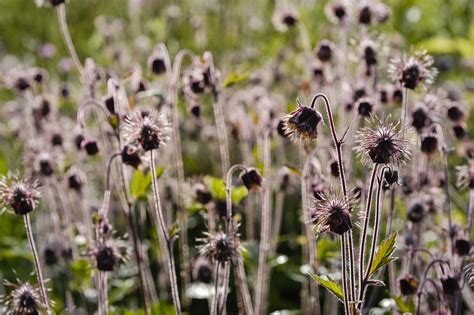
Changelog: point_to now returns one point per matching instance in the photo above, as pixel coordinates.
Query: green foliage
(326, 249)
(141, 183)
(235, 78)
(217, 188)
(384, 253)
(331, 285)
(405, 307)
(81, 271)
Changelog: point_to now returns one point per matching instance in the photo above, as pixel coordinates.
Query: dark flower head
(24, 299)
(325, 50)
(148, 128)
(450, 285)
(220, 247)
(284, 19)
(301, 124)
(252, 179)
(201, 193)
(332, 212)
(157, 60)
(50, 254)
(460, 130)
(368, 51)
(390, 178)
(413, 71)
(109, 254)
(420, 118)
(131, 155)
(78, 139)
(397, 95)
(203, 270)
(90, 145)
(20, 194)
(429, 143)
(365, 106)
(416, 210)
(462, 246)
(18, 79)
(75, 179)
(383, 144)
(456, 112)
(337, 11)
(408, 285)
(334, 168)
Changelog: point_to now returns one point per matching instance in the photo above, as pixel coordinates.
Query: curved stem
(228, 190)
(36, 260)
(430, 265)
(85, 105)
(68, 41)
(161, 224)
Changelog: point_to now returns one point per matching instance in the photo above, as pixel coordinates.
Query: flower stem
(161, 224)
(36, 260)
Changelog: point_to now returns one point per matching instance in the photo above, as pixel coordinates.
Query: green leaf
(405, 307)
(141, 183)
(217, 188)
(331, 285)
(326, 249)
(235, 78)
(384, 253)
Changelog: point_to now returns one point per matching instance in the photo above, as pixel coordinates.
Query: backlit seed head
(220, 247)
(24, 299)
(413, 71)
(109, 254)
(332, 212)
(19, 194)
(384, 143)
(148, 128)
(301, 124)
(252, 179)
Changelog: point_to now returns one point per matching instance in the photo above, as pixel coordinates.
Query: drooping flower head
(301, 124)
(332, 212)
(220, 247)
(24, 299)
(252, 179)
(20, 194)
(110, 254)
(148, 128)
(383, 143)
(412, 71)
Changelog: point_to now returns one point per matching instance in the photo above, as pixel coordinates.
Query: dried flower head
(413, 71)
(252, 179)
(20, 194)
(24, 299)
(408, 285)
(148, 128)
(384, 143)
(301, 124)
(131, 155)
(109, 254)
(333, 212)
(220, 247)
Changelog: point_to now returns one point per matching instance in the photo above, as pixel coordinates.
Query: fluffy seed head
(148, 128)
(301, 124)
(24, 299)
(20, 194)
(332, 212)
(384, 143)
(220, 247)
(412, 71)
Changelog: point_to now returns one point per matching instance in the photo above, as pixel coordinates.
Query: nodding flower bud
(301, 124)
(324, 51)
(390, 178)
(334, 168)
(156, 61)
(455, 112)
(203, 271)
(109, 103)
(45, 165)
(365, 15)
(75, 180)
(364, 107)
(459, 130)
(462, 247)
(131, 155)
(50, 255)
(252, 179)
(408, 285)
(429, 144)
(420, 119)
(90, 146)
(450, 285)
(201, 194)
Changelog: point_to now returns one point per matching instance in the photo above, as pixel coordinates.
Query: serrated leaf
(384, 253)
(331, 285)
(235, 78)
(141, 183)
